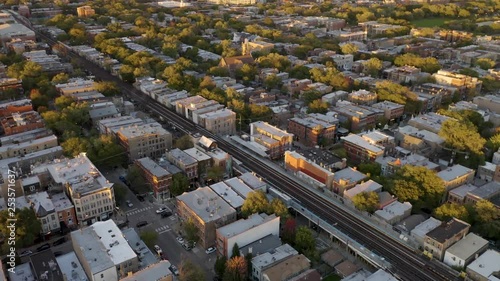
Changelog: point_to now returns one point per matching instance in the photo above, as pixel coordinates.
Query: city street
(167, 228)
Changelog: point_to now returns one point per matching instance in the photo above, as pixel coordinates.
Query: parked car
(166, 214)
(43, 247)
(158, 249)
(129, 204)
(210, 250)
(141, 223)
(174, 270)
(180, 239)
(124, 180)
(25, 253)
(161, 210)
(59, 241)
(140, 198)
(58, 253)
(186, 246)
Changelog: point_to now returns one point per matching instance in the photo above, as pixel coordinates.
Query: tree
(183, 142)
(317, 106)
(390, 91)
(106, 153)
(417, 185)
(63, 102)
(485, 63)
(120, 192)
(28, 227)
(236, 251)
(272, 82)
(462, 136)
(279, 208)
(366, 201)
(486, 212)
(349, 49)
(246, 73)
(289, 229)
(304, 240)
(191, 231)
(236, 269)
(220, 265)
(188, 271)
(149, 237)
(428, 64)
(311, 96)
(60, 78)
(448, 211)
(215, 173)
(74, 146)
(180, 184)
(372, 67)
(256, 202)
(108, 88)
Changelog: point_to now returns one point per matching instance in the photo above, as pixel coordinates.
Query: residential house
(465, 251)
(246, 231)
(313, 131)
(234, 63)
(368, 186)
(159, 272)
(362, 97)
(65, 210)
(21, 122)
(423, 142)
(45, 212)
(463, 82)
(346, 179)
(438, 240)
(360, 149)
(266, 260)
(185, 162)
(394, 212)
(276, 141)
(489, 191)
(458, 194)
(485, 268)
(430, 121)
(392, 111)
(357, 118)
(420, 231)
(488, 102)
(286, 269)
(221, 122)
(456, 176)
(228, 194)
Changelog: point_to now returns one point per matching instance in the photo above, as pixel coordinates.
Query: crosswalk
(163, 229)
(137, 211)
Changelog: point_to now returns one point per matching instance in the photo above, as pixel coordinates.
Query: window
(102, 275)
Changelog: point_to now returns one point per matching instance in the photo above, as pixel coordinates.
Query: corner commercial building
(207, 210)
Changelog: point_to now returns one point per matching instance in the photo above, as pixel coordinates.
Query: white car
(161, 210)
(174, 270)
(158, 249)
(180, 240)
(210, 250)
(129, 204)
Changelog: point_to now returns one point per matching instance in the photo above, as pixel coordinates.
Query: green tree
(215, 173)
(428, 64)
(272, 82)
(485, 63)
(256, 202)
(486, 212)
(278, 207)
(236, 269)
(448, 211)
(373, 67)
(180, 184)
(108, 88)
(28, 227)
(304, 240)
(149, 237)
(220, 265)
(390, 91)
(120, 192)
(183, 142)
(366, 201)
(188, 271)
(349, 49)
(191, 231)
(60, 78)
(74, 146)
(417, 185)
(246, 73)
(462, 136)
(311, 96)
(136, 179)
(317, 106)
(106, 153)
(63, 102)
(236, 251)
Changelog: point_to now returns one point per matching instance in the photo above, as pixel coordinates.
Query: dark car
(58, 253)
(140, 198)
(166, 214)
(141, 223)
(59, 241)
(43, 247)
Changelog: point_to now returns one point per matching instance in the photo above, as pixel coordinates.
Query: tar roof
(45, 266)
(468, 246)
(153, 167)
(447, 230)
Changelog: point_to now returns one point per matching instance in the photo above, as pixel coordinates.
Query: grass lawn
(332, 277)
(432, 22)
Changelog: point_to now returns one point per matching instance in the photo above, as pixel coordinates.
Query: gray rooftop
(253, 181)
(147, 257)
(362, 142)
(228, 194)
(409, 223)
(153, 167)
(23, 272)
(454, 172)
(423, 228)
(157, 271)
(468, 246)
(486, 191)
(243, 225)
(280, 253)
(182, 157)
(462, 190)
(71, 267)
(447, 230)
(349, 174)
(261, 246)
(197, 154)
(239, 186)
(61, 202)
(487, 264)
(206, 204)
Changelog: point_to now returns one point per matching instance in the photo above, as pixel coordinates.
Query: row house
(185, 162)
(276, 141)
(159, 178)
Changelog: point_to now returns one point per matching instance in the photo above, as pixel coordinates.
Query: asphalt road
(407, 264)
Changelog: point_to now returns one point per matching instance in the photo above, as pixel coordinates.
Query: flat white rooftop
(243, 225)
(71, 267)
(486, 264)
(207, 204)
(361, 142)
(228, 194)
(454, 172)
(468, 246)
